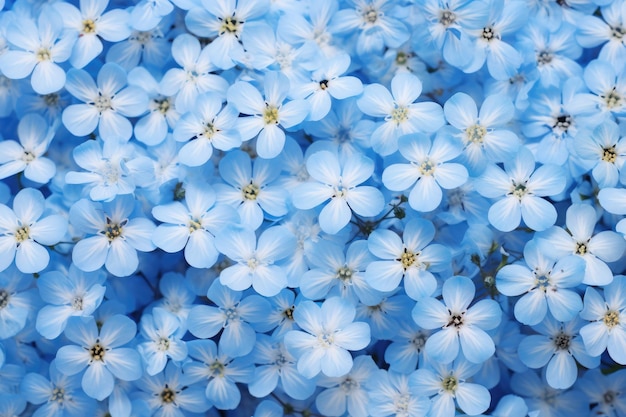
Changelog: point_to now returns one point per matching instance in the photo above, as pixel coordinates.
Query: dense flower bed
(312, 208)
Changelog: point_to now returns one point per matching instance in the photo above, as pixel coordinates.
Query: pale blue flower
(255, 261)
(26, 229)
(113, 235)
(559, 346)
(192, 226)
(519, 188)
(328, 333)
(336, 184)
(269, 114)
(428, 170)
(38, 47)
(411, 257)
(35, 135)
(89, 24)
(402, 115)
(580, 239)
(68, 293)
(449, 384)
(460, 325)
(100, 351)
(107, 103)
(607, 317)
(544, 283)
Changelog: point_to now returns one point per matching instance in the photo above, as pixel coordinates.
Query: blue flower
(234, 314)
(150, 48)
(106, 104)
(328, 333)
(327, 82)
(603, 152)
(280, 316)
(89, 24)
(101, 352)
(266, 50)
(607, 88)
(59, 395)
(412, 258)
(255, 261)
(447, 385)
(560, 347)
(482, 133)
(543, 399)
(345, 126)
(266, 115)
(299, 27)
(505, 18)
(113, 236)
(15, 302)
(604, 391)
(108, 169)
(337, 183)
(333, 273)
(192, 226)
(450, 26)
(459, 324)
(428, 170)
(177, 295)
(167, 394)
(196, 75)
(67, 294)
(402, 115)
(605, 30)
(544, 283)
(38, 48)
(27, 156)
(594, 248)
(207, 126)
(251, 188)
(225, 22)
(219, 371)
(276, 367)
(607, 317)
(520, 188)
(555, 117)
(349, 392)
(385, 316)
(376, 23)
(25, 230)
(552, 47)
(406, 350)
(152, 128)
(162, 340)
(394, 393)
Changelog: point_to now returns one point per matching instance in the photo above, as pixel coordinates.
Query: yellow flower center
(270, 115)
(89, 26)
(611, 319)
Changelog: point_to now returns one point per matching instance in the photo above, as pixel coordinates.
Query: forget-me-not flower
(459, 324)
(336, 184)
(328, 333)
(26, 229)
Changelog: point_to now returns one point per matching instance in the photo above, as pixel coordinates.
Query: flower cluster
(277, 208)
